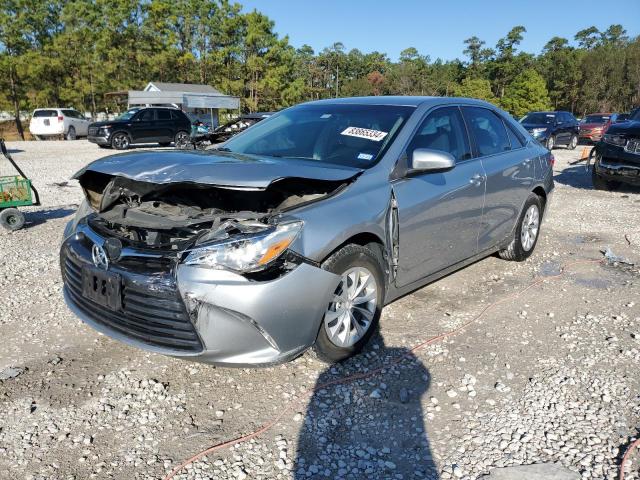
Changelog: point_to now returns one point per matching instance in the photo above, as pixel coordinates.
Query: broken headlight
(246, 253)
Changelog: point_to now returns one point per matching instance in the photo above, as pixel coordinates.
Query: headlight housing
(617, 140)
(538, 131)
(246, 253)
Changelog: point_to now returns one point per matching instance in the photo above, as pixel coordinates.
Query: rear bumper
(217, 316)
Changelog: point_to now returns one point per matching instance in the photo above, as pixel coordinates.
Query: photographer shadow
(368, 428)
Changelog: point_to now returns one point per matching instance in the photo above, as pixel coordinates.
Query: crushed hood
(216, 168)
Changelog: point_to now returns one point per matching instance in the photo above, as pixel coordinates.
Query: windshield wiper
(222, 149)
(276, 155)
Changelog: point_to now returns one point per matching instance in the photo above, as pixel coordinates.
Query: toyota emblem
(99, 257)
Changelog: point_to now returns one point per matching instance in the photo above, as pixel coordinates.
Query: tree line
(73, 53)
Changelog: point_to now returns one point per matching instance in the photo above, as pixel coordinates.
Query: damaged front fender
(243, 322)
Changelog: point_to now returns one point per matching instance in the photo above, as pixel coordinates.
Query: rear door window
(45, 113)
(443, 130)
(164, 115)
(487, 129)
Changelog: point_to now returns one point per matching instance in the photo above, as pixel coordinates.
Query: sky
(438, 29)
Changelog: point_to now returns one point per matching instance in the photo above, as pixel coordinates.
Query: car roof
(399, 100)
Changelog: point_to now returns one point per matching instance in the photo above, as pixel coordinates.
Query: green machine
(15, 191)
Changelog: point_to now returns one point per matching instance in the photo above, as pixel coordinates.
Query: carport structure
(202, 101)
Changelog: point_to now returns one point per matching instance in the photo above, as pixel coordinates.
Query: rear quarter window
(178, 115)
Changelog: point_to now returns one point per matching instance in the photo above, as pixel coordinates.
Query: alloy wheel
(529, 228)
(352, 308)
(121, 141)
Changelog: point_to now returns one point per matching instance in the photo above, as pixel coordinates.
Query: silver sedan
(297, 232)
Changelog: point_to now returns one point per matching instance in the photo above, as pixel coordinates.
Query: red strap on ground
(359, 376)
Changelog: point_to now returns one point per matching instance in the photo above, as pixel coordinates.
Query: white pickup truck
(56, 122)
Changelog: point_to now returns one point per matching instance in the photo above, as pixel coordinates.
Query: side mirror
(427, 160)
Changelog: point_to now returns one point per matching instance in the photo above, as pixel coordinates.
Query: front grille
(93, 131)
(155, 316)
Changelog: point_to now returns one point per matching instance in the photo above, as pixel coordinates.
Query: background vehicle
(552, 128)
(56, 122)
(617, 155)
(622, 117)
(203, 136)
(594, 125)
(161, 125)
(297, 232)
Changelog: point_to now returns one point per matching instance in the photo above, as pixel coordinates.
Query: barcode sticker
(374, 135)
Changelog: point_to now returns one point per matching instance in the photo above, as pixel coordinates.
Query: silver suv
(295, 233)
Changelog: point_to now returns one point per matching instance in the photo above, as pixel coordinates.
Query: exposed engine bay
(177, 215)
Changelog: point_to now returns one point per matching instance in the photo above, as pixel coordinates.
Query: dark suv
(552, 128)
(142, 125)
(617, 155)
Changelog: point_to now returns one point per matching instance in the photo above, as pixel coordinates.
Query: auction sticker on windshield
(375, 135)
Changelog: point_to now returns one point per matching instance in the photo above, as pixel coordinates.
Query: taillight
(60, 118)
(552, 160)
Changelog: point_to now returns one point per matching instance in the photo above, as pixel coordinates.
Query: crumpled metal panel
(223, 169)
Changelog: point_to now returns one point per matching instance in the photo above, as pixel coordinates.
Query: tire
(71, 134)
(12, 219)
(520, 249)
(120, 141)
(600, 183)
(573, 143)
(362, 264)
(164, 144)
(551, 142)
(182, 140)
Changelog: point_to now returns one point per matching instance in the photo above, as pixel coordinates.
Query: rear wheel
(12, 219)
(183, 140)
(353, 312)
(71, 134)
(120, 141)
(573, 143)
(527, 231)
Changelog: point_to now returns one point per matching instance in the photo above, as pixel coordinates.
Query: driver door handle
(477, 179)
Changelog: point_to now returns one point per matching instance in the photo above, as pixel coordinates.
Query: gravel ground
(549, 376)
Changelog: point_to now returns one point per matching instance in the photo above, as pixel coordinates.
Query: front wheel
(573, 143)
(600, 183)
(12, 219)
(120, 141)
(551, 142)
(527, 231)
(353, 313)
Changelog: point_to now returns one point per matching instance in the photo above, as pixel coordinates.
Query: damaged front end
(200, 270)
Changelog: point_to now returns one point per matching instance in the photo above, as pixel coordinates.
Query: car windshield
(635, 115)
(344, 134)
(538, 118)
(128, 114)
(596, 119)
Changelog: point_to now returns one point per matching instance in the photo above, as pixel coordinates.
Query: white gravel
(551, 376)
